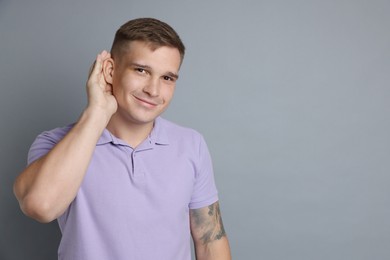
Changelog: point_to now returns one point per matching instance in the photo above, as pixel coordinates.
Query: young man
(123, 182)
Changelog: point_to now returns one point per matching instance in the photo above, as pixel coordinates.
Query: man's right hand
(100, 92)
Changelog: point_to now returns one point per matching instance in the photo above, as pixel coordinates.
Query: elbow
(39, 210)
(33, 205)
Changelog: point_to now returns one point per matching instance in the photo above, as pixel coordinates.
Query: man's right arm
(48, 185)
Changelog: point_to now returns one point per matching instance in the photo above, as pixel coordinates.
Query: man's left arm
(208, 233)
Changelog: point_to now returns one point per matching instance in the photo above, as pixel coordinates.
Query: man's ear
(108, 70)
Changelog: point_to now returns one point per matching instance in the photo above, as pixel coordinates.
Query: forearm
(216, 250)
(208, 233)
(47, 187)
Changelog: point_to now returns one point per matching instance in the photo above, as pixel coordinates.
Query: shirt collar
(158, 135)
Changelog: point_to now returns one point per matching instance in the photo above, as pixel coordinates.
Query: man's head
(151, 31)
(146, 58)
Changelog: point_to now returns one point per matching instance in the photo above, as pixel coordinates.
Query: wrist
(97, 117)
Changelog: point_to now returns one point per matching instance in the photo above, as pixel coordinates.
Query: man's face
(144, 81)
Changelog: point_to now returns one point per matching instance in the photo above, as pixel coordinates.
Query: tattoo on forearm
(208, 223)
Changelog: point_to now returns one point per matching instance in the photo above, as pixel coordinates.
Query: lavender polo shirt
(134, 203)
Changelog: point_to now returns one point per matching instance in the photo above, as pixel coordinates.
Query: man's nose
(152, 87)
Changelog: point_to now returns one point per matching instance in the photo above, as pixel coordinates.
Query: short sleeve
(205, 192)
(45, 142)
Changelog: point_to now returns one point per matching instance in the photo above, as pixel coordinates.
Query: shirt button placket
(138, 168)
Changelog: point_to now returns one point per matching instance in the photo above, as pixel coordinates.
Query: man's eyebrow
(173, 75)
(138, 65)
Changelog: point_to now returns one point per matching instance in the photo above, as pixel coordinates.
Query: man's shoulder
(46, 141)
(175, 130)
(57, 133)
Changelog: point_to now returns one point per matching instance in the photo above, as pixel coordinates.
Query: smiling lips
(151, 103)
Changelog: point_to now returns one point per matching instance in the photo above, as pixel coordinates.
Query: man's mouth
(146, 101)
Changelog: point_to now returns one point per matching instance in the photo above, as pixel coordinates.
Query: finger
(91, 68)
(96, 66)
(105, 55)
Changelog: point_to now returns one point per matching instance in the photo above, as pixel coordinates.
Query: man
(123, 182)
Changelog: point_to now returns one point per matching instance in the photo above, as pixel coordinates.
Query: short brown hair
(149, 30)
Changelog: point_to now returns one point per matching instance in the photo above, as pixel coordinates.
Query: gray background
(292, 97)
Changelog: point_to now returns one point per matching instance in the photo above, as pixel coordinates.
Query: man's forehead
(144, 53)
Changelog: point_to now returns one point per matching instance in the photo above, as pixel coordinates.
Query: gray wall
(292, 97)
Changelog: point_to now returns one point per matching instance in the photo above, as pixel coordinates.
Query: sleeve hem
(202, 204)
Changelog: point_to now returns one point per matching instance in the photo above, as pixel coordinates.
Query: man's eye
(140, 70)
(168, 78)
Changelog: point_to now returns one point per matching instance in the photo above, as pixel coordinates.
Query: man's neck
(130, 132)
